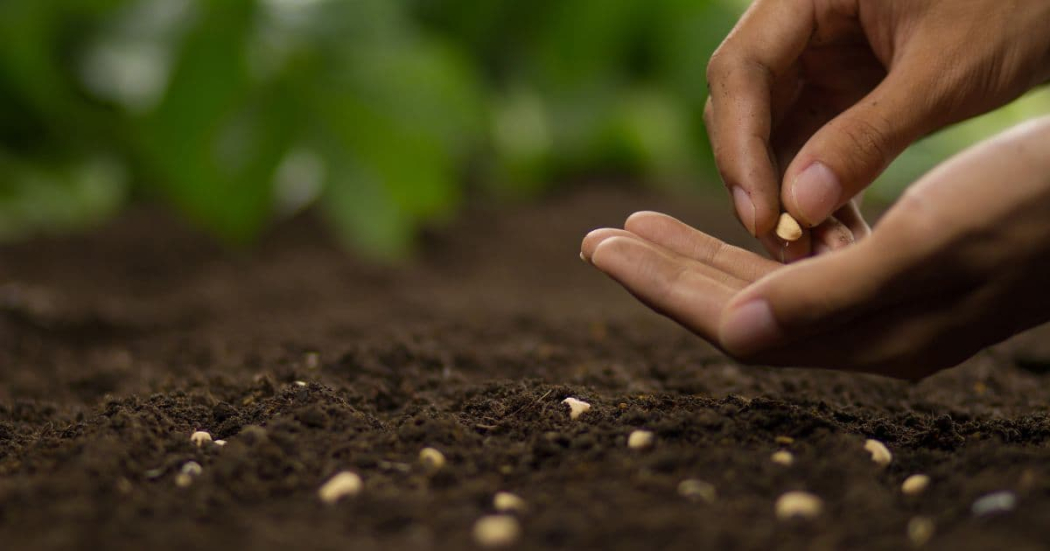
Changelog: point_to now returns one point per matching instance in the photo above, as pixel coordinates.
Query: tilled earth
(117, 345)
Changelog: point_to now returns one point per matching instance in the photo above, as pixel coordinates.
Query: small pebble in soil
(920, 530)
(200, 438)
(697, 490)
(640, 439)
(783, 457)
(576, 407)
(339, 486)
(996, 502)
(432, 458)
(798, 505)
(880, 454)
(506, 502)
(915, 484)
(496, 531)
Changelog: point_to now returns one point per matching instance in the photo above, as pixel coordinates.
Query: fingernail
(744, 208)
(750, 327)
(584, 258)
(816, 192)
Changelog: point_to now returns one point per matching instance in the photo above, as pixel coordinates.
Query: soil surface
(117, 345)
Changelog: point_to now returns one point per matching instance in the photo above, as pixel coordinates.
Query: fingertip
(593, 239)
(813, 194)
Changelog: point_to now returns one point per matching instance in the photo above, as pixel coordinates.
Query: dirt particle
(496, 531)
(798, 504)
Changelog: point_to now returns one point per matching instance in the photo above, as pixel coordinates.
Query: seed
(879, 453)
(339, 486)
(576, 407)
(300, 383)
(496, 531)
(784, 440)
(798, 504)
(431, 458)
(915, 484)
(788, 228)
(920, 530)
(200, 438)
(640, 439)
(182, 480)
(697, 490)
(997, 502)
(192, 468)
(506, 502)
(783, 457)
(220, 443)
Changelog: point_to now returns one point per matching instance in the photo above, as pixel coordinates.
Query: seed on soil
(920, 530)
(300, 383)
(496, 531)
(183, 480)
(220, 443)
(788, 228)
(192, 468)
(576, 407)
(506, 502)
(697, 490)
(431, 458)
(915, 484)
(640, 439)
(798, 505)
(783, 457)
(339, 486)
(997, 502)
(784, 440)
(879, 453)
(200, 438)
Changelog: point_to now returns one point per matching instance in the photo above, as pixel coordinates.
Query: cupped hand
(811, 99)
(960, 262)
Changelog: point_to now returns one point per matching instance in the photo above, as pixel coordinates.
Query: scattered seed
(192, 468)
(432, 458)
(798, 504)
(783, 457)
(788, 228)
(640, 439)
(339, 486)
(784, 440)
(915, 484)
(879, 453)
(996, 502)
(496, 531)
(920, 530)
(300, 383)
(200, 438)
(697, 490)
(576, 407)
(506, 502)
(220, 443)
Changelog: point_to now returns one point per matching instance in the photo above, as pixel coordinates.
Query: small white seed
(220, 443)
(920, 530)
(788, 228)
(183, 479)
(576, 407)
(192, 468)
(506, 502)
(431, 458)
(784, 440)
(640, 439)
(915, 484)
(798, 504)
(496, 531)
(783, 457)
(879, 453)
(339, 486)
(997, 502)
(300, 383)
(697, 490)
(200, 438)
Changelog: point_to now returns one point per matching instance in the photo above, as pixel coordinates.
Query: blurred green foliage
(384, 112)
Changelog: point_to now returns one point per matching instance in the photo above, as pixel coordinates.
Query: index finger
(762, 47)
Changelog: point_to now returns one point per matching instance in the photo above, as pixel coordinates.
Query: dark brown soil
(115, 346)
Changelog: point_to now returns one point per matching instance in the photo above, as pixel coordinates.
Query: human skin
(811, 99)
(960, 262)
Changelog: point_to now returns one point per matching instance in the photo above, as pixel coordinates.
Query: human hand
(811, 99)
(959, 263)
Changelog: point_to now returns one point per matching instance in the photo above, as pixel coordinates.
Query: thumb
(845, 155)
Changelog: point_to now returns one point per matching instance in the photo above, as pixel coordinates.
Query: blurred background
(385, 114)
